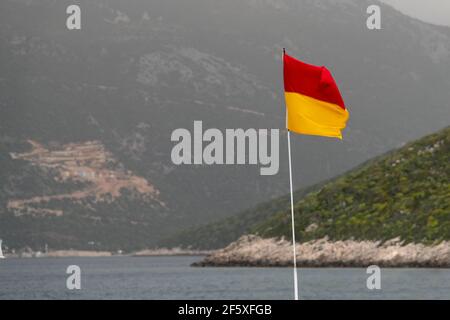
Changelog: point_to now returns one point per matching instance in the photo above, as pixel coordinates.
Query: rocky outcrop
(255, 251)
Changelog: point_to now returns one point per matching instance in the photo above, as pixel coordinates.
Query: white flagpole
(292, 205)
(292, 218)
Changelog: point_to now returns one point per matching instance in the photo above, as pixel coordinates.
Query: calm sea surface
(173, 278)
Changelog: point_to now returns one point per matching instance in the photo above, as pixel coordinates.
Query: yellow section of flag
(313, 100)
(306, 115)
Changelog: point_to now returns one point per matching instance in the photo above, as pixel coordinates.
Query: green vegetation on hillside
(405, 194)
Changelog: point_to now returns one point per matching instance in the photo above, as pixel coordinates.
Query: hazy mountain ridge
(138, 70)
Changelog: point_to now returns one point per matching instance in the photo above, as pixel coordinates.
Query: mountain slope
(140, 69)
(405, 194)
(218, 234)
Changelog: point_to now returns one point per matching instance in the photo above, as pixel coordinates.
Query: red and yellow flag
(313, 101)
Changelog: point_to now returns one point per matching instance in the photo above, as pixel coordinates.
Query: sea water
(173, 278)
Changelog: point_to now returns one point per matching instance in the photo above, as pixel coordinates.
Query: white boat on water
(1, 252)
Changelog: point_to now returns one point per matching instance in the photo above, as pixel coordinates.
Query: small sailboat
(1, 252)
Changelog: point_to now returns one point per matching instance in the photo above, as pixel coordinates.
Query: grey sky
(433, 11)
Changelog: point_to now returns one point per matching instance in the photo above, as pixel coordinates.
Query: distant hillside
(219, 233)
(405, 193)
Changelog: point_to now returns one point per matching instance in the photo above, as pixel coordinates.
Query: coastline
(253, 251)
(170, 252)
(98, 254)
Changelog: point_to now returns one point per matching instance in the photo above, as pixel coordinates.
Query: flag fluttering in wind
(314, 106)
(314, 103)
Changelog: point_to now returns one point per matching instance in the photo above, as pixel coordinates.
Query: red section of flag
(312, 81)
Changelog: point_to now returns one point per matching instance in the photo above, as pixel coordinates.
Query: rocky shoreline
(253, 251)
